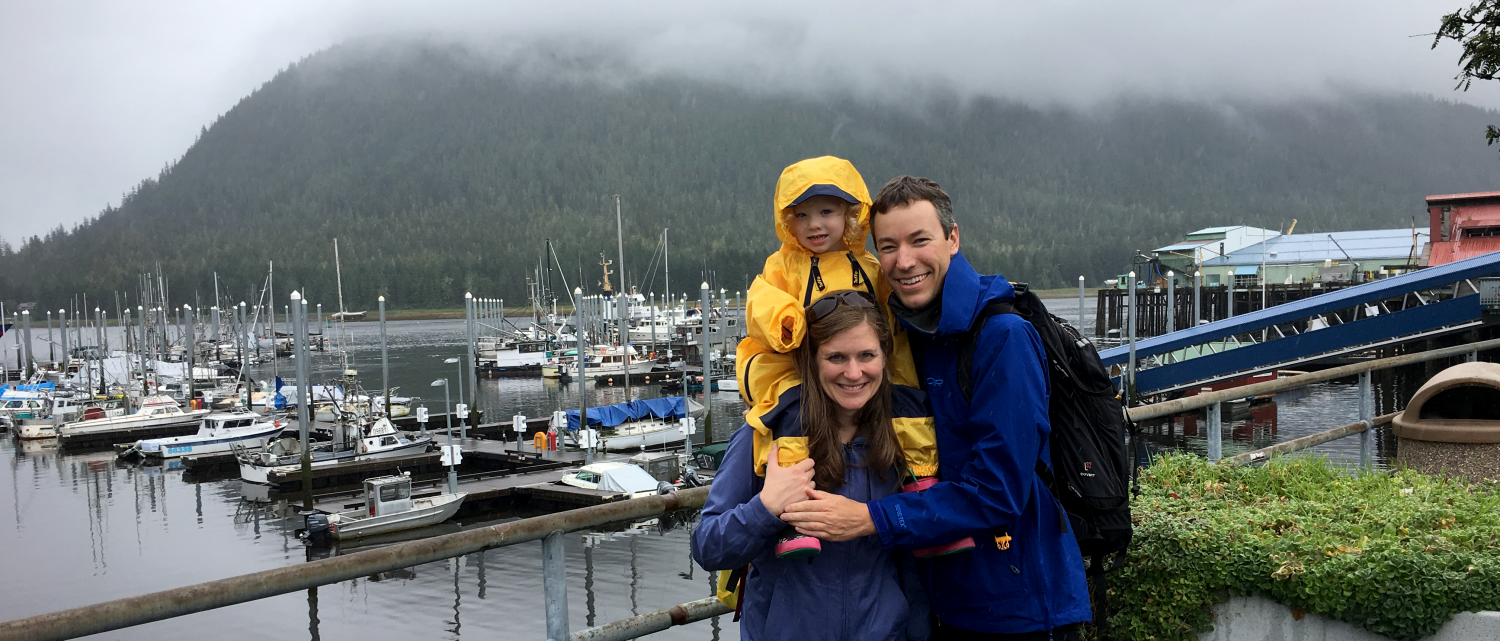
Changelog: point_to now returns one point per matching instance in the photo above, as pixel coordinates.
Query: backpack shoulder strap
(965, 370)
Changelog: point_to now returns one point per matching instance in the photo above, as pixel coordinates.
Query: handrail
(652, 622)
(1206, 399)
(166, 604)
(1339, 299)
(1311, 440)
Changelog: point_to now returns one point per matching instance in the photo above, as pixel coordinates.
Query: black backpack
(1091, 473)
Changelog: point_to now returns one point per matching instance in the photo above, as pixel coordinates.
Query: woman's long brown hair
(873, 422)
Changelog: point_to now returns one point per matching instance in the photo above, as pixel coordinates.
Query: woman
(850, 590)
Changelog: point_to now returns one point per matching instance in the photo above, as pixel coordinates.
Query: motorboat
(604, 361)
(220, 432)
(156, 412)
(389, 507)
(69, 408)
(377, 439)
(25, 401)
(557, 363)
(658, 330)
(624, 427)
(511, 357)
(614, 476)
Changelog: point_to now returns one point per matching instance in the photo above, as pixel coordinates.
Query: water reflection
(144, 532)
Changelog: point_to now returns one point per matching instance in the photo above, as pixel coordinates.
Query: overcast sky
(98, 95)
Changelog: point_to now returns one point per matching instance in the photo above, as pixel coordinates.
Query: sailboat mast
(338, 272)
(271, 307)
(622, 303)
(666, 261)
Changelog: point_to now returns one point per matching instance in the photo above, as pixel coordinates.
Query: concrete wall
(1261, 619)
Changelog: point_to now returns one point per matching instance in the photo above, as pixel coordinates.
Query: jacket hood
(824, 170)
(966, 292)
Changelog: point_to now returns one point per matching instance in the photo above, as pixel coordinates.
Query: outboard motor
(664, 487)
(317, 531)
(690, 478)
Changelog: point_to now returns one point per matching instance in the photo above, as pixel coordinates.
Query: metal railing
(167, 604)
(1363, 427)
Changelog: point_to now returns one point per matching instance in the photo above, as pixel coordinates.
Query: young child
(822, 211)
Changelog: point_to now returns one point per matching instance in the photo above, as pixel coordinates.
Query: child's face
(818, 223)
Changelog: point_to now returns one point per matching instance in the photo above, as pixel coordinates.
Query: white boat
(220, 432)
(389, 507)
(156, 412)
(613, 476)
(637, 425)
(643, 331)
(557, 362)
(22, 403)
(604, 361)
(511, 357)
(68, 407)
(378, 440)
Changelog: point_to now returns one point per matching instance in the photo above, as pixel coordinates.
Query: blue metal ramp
(1424, 303)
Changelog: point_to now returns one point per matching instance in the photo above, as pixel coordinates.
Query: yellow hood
(824, 170)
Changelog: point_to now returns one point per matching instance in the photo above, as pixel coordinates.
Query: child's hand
(785, 485)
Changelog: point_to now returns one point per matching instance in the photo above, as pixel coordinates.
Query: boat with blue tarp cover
(635, 425)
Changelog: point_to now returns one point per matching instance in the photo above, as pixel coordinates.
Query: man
(1025, 577)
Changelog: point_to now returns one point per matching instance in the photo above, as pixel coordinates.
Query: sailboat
(631, 426)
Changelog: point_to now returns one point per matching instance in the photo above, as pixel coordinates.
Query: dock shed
(1342, 257)
(1184, 257)
(1463, 225)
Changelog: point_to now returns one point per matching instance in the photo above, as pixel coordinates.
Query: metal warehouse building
(1333, 257)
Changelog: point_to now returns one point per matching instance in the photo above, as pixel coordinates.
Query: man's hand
(785, 485)
(830, 517)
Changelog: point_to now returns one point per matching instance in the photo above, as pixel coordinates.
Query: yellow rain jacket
(776, 323)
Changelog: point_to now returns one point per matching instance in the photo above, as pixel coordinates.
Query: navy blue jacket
(851, 590)
(987, 471)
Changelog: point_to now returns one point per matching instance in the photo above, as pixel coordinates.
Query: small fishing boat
(637, 425)
(25, 401)
(219, 432)
(658, 330)
(157, 412)
(558, 362)
(68, 407)
(614, 476)
(376, 440)
(389, 507)
(604, 361)
(513, 357)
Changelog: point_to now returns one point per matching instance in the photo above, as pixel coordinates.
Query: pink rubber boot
(791, 545)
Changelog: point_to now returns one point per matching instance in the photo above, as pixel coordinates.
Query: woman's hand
(785, 485)
(830, 517)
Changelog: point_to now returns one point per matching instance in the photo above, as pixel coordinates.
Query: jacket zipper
(814, 278)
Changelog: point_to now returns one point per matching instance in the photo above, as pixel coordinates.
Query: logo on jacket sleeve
(1088, 469)
(934, 382)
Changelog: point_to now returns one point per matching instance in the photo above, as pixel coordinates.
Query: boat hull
(116, 428)
(186, 445)
(354, 524)
(252, 472)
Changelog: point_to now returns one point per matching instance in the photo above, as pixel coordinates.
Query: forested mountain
(441, 172)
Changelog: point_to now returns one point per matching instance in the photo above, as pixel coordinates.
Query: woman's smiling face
(850, 368)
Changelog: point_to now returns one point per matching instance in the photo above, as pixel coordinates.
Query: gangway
(1421, 304)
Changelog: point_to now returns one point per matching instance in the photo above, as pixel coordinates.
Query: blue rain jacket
(851, 590)
(987, 455)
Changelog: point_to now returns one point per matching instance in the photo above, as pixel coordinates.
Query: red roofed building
(1463, 225)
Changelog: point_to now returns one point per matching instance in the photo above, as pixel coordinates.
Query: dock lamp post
(463, 423)
(452, 451)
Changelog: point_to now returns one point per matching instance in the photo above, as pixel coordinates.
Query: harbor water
(81, 528)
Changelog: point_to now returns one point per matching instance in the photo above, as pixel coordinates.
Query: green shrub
(1397, 553)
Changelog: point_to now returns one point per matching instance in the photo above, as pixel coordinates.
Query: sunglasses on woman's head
(825, 305)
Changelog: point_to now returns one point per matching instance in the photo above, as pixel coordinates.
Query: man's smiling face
(914, 253)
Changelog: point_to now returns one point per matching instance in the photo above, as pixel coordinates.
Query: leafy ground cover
(1397, 553)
